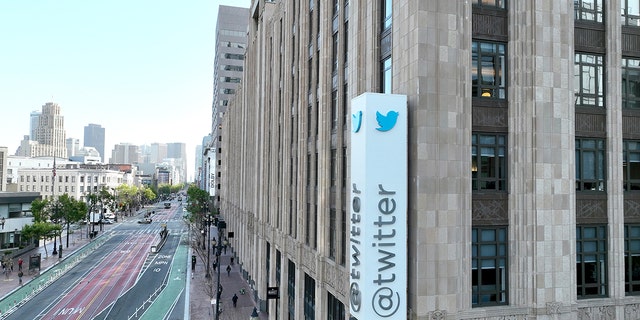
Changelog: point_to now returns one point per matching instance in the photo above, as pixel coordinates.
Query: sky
(141, 69)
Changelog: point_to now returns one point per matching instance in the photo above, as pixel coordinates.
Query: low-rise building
(15, 213)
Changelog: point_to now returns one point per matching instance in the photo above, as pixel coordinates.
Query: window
(235, 56)
(291, 289)
(332, 234)
(387, 13)
(631, 165)
(489, 266)
(335, 308)
(334, 110)
(488, 162)
(632, 259)
(488, 78)
(591, 261)
(307, 225)
(630, 83)
(309, 297)
(590, 165)
(229, 91)
(630, 10)
(231, 68)
(490, 3)
(588, 10)
(386, 75)
(589, 80)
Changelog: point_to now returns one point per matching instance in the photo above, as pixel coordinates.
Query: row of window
(490, 263)
(585, 10)
(30, 178)
(489, 163)
(61, 189)
(489, 74)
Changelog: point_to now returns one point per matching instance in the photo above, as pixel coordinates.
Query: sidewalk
(200, 304)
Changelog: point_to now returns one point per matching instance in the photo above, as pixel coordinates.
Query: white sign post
(378, 234)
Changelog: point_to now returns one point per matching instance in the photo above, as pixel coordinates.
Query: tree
(41, 230)
(70, 211)
(39, 210)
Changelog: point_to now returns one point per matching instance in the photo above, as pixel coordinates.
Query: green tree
(198, 204)
(39, 209)
(41, 230)
(70, 211)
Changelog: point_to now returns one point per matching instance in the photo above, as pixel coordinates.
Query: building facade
(94, 136)
(125, 153)
(75, 179)
(523, 142)
(4, 154)
(50, 136)
(15, 213)
(228, 67)
(73, 146)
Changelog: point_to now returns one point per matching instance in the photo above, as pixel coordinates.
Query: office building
(94, 136)
(228, 66)
(125, 153)
(50, 136)
(33, 123)
(73, 146)
(523, 152)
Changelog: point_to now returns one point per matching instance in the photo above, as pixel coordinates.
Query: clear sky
(141, 69)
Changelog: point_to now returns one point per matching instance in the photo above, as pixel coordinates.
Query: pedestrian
(20, 274)
(228, 270)
(215, 265)
(11, 265)
(20, 263)
(235, 300)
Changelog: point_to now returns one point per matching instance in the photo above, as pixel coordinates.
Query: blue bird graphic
(387, 122)
(356, 121)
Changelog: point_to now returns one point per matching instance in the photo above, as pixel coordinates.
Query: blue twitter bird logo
(356, 121)
(387, 122)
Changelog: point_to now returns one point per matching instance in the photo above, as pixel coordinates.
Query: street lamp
(218, 246)
(208, 232)
(254, 314)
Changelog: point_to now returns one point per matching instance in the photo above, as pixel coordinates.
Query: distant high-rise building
(157, 152)
(228, 64)
(125, 153)
(73, 145)
(49, 137)
(178, 151)
(231, 43)
(33, 123)
(94, 137)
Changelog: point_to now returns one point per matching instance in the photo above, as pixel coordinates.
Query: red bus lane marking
(115, 288)
(110, 278)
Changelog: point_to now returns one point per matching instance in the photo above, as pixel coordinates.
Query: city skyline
(146, 79)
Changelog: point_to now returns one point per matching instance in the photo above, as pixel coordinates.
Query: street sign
(273, 293)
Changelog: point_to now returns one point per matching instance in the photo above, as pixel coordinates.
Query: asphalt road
(114, 281)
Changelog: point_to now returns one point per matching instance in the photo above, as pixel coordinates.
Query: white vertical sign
(378, 234)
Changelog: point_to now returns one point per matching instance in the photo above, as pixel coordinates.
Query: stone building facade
(524, 154)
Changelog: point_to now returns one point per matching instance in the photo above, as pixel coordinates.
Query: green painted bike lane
(176, 284)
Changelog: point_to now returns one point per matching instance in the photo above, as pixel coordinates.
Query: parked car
(106, 221)
(145, 221)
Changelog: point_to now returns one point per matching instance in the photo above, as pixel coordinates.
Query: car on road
(106, 221)
(145, 221)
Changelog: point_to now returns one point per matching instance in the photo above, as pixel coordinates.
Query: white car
(106, 221)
